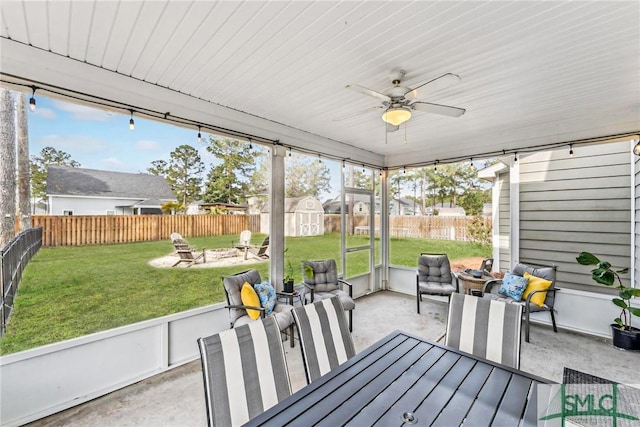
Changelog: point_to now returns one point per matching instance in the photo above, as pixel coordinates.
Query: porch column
(514, 214)
(384, 228)
(276, 217)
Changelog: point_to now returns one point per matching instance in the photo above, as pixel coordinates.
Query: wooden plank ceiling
(531, 72)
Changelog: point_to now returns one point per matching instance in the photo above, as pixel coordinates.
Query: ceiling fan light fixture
(396, 115)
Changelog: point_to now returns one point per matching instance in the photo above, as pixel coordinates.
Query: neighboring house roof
(68, 181)
(490, 172)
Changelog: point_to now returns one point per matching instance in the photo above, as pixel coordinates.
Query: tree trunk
(24, 195)
(7, 167)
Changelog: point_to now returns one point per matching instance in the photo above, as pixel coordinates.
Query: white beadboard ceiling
(532, 73)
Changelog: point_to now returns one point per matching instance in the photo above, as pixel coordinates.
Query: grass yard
(68, 292)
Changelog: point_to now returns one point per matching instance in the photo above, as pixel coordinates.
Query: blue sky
(102, 140)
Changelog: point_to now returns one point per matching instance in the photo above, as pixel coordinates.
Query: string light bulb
(199, 134)
(132, 124)
(32, 100)
(289, 151)
(250, 144)
(515, 157)
(435, 166)
(571, 150)
(319, 159)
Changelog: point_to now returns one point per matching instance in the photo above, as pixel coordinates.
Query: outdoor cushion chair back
(434, 276)
(244, 371)
(491, 288)
(238, 310)
(325, 282)
(485, 328)
(233, 287)
(325, 340)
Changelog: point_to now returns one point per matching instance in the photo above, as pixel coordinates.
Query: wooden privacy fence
(78, 230)
(13, 260)
(423, 227)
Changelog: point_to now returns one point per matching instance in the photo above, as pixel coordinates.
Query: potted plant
(287, 282)
(625, 336)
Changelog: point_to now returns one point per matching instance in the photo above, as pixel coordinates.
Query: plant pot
(288, 286)
(626, 340)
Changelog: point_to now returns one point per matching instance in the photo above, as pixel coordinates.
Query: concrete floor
(176, 398)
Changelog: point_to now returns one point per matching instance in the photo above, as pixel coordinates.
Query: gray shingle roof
(68, 181)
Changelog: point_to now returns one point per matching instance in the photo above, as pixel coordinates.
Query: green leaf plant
(604, 274)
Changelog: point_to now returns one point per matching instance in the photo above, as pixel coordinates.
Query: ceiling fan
(399, 101)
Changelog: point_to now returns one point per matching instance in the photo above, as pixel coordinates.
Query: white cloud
(81, 112)
(147, 145)
(45, 113)
(77, 143)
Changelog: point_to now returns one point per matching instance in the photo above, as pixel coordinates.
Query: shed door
(309, 223)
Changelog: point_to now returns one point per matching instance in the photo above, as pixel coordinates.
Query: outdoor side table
(470, 283)
(290, 297)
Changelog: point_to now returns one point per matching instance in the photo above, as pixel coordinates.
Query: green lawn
(73, 291)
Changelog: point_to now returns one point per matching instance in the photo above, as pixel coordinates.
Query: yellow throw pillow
(250, 297)
(536, 284)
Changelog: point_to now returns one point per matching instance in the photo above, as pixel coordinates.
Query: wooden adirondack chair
(261, 251)
(185, 252)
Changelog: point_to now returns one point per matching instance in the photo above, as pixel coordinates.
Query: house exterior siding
(89, 206)
(568, 205)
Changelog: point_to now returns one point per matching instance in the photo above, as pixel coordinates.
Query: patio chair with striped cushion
(325, 340)
(485, 328)
(244, 371)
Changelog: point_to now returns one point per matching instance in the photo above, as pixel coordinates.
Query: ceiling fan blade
(441, 82)
(444, 110)
(357, 113)
(392, 128)
(369, 92)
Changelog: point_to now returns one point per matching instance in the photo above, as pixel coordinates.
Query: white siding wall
(89, 206)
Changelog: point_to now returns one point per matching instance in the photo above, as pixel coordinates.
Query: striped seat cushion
(244, 371)
(325, 340)
(486, 328)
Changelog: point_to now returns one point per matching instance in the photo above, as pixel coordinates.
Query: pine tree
(228, 181)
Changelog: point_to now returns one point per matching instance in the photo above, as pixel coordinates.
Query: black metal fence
(13, 260)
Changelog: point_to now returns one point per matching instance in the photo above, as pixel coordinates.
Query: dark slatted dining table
(404, 380)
